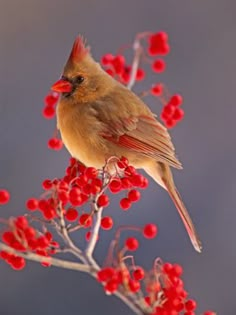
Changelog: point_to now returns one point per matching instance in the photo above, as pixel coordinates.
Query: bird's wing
(129, 123)
(145, 135)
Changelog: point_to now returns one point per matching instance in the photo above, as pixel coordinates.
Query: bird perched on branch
(98, 118)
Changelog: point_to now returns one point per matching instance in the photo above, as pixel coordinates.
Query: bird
(99, 117)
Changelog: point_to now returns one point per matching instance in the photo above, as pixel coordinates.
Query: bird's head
(83, 79)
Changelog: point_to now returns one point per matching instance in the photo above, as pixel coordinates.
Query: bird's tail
(164, 175)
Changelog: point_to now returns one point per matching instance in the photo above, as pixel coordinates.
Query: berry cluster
(81, 185)
(157, 47)
(65, 200)
(117, 67)
(23, 237)
(121, 275)
(50, 102)
(161, 289)
(171, 113)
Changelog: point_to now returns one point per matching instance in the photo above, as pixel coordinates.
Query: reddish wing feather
(146, 136)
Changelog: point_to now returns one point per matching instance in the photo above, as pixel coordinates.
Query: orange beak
(62, 86)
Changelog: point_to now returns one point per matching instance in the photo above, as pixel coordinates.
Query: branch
(64, 234)
(53, 261)
(92, 270)
(94, 234)
(137, 53)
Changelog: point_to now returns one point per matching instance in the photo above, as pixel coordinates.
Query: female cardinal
(98, 118)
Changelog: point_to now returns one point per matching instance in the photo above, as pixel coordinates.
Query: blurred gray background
(35, 39)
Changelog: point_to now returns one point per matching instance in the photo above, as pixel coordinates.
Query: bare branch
(53, 261)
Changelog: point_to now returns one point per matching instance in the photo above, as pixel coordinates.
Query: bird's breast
(80, 132)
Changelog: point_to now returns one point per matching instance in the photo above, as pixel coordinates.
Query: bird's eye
(79, 79)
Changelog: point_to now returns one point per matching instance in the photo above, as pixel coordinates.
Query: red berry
(137, 180)
(18, 263)
(132, 243)
(88, 235)
(138, 273)
(105, 274)
(110, 72)
(49, 213)
(21, 222)
(176, 100)
(158, 37)
(157, 89)
(130, 170)
(32, 204)
(118, 63)
(125, 182)
(177, 270)
(134, 285)
(74, 193)
(167, 268)
(164, 116)
(209, 313)
(170, 123)
(85, 220)
(4, 196)
(71, 214)
(125, 75)
(168, 109)
(123, 162)
(48, 112)
(55, 144)
(4, 255)
(150, 230)
(111, 286)
(103, 201)
(48, 235)
(107, 59)
(134, 195)
(144, 183)
(125, 203)
(91, 172)
(158, 65)
(140, 75)
(29, 233)
(178, 114)
(82, 180)
(43, 204)
(51, 99)
(164, 49)
(8, 237)
(115, 185)
(106, 223)
(42, 242)
(87, 189)
(190, 305)
(47, 184)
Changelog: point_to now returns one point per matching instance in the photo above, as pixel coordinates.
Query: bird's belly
(81, 148)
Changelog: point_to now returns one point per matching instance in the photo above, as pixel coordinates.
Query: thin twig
(137, 54)
(63, 232)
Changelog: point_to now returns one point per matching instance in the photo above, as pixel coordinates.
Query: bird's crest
(79, 50)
